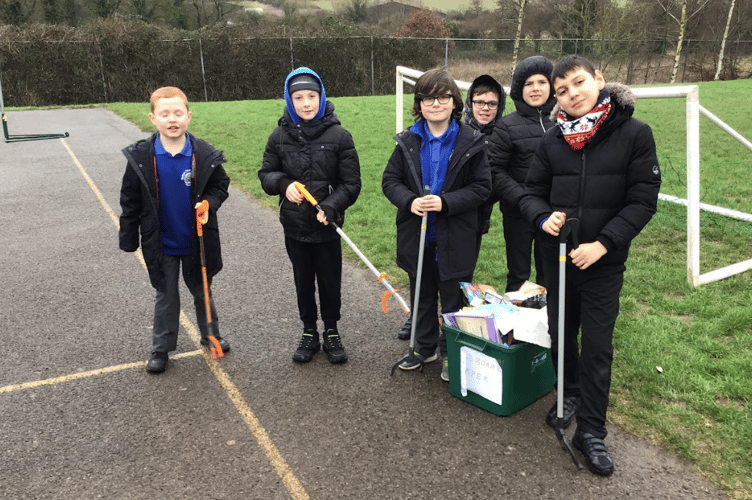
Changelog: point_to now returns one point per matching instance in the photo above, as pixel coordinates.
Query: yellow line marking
(91, 373)
(293, 485)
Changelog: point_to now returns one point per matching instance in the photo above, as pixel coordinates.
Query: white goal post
(692, 95)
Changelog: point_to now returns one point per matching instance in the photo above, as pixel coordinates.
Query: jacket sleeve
(476, 190)
(534, 203)
(130, 203)
(274, 180)
(500, 151)
(641, 201)
(216, 191)
(394, 182)
(348, 176)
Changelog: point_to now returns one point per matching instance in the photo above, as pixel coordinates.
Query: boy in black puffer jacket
(599, 165)
(311, 147)
(449, 157)
(510, 153)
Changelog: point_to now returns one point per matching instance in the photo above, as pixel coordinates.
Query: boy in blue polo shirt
(167, 176)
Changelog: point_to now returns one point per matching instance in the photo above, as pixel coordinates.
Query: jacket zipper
(582, 184)
(540, 119)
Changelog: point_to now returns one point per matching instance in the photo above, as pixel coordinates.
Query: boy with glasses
(449, 157)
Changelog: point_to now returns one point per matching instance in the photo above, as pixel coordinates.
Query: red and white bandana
(578, 132)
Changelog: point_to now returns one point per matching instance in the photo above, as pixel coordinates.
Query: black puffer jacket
(320, 155)
(467, 185)
(138, 200)
(611, 185)
(516, 137)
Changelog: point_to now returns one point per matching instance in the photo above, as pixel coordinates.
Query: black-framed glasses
(430, 99)
(481, 104)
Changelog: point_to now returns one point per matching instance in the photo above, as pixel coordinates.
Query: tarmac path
(80, 418)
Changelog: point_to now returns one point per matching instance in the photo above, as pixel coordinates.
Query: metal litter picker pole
(379, 276)
(573, 226)
(27, 137)
(418, 274)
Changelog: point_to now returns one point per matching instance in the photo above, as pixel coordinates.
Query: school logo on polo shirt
(186, 177)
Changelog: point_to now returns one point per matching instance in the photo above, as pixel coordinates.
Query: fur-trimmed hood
(620, 94)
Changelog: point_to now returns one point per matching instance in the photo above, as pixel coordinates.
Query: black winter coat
(611, 185)
(467, 186)
(138, 200)
(320, 155)
(516, 136)
(512, 148)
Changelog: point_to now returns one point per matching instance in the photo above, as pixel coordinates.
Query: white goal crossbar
(692, 95)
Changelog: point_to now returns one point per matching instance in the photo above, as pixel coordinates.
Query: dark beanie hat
(303, 81)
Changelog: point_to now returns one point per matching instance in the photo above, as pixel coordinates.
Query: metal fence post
(101, 70)
(372, 72)
(292, 57)
(203, 73)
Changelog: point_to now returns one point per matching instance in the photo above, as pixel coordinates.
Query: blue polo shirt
(175, 207)
(435, 153)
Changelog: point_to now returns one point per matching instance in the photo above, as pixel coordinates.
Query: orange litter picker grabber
(380, 276)
(202, 216)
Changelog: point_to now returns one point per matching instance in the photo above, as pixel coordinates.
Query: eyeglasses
(481, 104)
(443, 99)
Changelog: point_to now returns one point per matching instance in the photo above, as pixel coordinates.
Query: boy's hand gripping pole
(202, 217)
(379, 276)
(570, 226)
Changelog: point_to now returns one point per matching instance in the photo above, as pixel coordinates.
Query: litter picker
(379, 276)
(202, 216)
(27, 137)
(411, 355)
(570, 226)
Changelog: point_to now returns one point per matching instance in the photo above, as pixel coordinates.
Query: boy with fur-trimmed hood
(598, 165)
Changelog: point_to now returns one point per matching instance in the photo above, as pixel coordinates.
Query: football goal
(691, 94)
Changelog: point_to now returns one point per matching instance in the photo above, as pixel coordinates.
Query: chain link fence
(128, 67)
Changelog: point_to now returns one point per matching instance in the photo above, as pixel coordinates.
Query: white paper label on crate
(480, 374)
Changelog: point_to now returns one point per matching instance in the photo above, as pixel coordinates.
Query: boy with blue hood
(310, 146)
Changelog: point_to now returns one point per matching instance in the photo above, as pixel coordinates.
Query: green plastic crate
(527, 372)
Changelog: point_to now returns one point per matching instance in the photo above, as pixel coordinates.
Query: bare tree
(16, 13)
(520, 17)
(143, 11)
(723, 41)
(682, 20)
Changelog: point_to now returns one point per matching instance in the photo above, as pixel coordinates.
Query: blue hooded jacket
(288, 100)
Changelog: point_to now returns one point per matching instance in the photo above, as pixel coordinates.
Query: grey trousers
(167, 303)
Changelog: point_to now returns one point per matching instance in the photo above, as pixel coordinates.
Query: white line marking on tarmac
(293, 485)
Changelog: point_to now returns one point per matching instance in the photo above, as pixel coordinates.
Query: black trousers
(591, 308)
(519, 235)
(427, 332)
(317, 263)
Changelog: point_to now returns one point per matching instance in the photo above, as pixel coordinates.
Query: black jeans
(427, 336)
(312, 263)
(592, 305)
(519, 235)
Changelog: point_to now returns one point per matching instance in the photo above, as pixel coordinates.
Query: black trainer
(597, 457)
(308, 346)
(225, 345)
(333, 347)
(404, 333)
(570, 408)
(157, 363)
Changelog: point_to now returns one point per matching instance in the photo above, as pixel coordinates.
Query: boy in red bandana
(599, 165)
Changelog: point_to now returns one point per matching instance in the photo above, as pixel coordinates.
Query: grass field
(698, 404)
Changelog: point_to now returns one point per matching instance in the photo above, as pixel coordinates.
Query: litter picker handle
(308, 196)
(570, 226)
